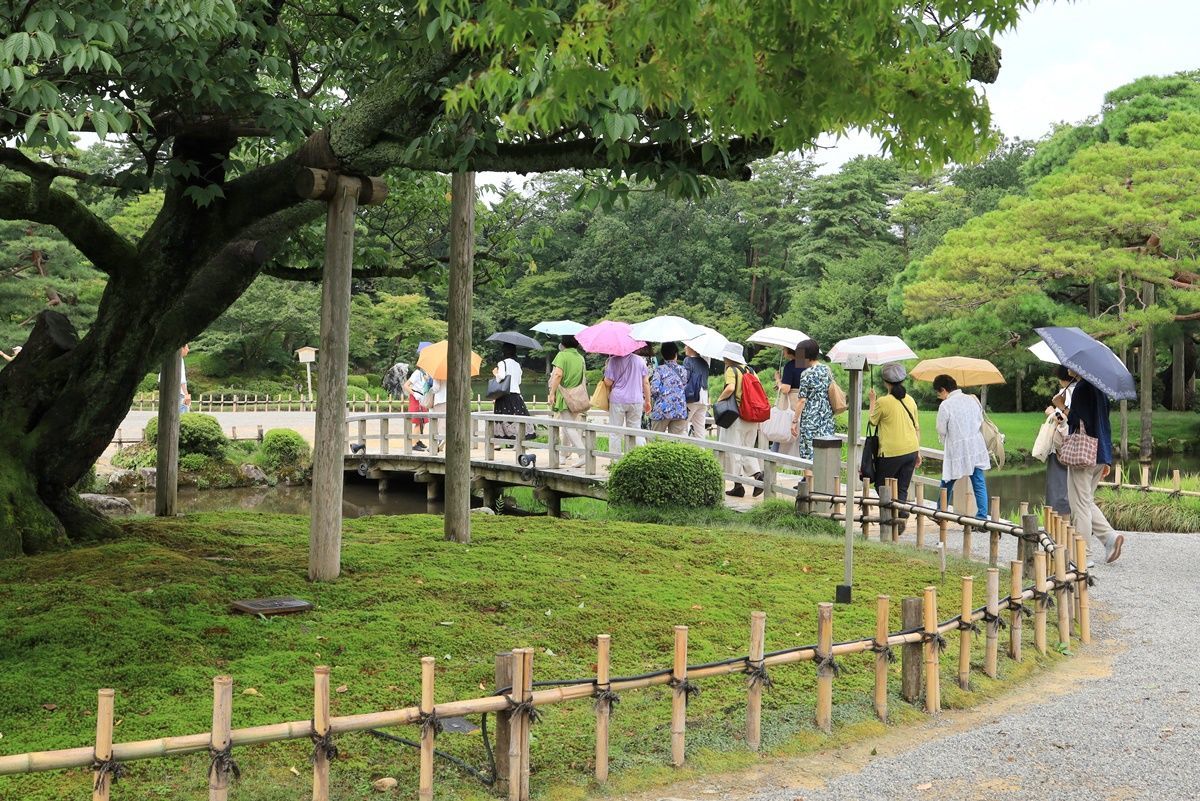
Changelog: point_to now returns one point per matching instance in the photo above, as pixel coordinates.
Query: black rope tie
(605, 698)
(429, 722)
(935, 638)
(884, 649)
(525, 707)
(756, 674)
(1067, 585)
(684, 686)
(322, 744)
(827, 662)
(108, 772)
(989, 618)
(1020, 608)
(1044, 597)
(222, 763)
(966, 625)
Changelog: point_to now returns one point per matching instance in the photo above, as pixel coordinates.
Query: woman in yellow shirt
(895, 415)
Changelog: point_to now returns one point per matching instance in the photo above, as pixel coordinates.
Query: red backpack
(753, 407)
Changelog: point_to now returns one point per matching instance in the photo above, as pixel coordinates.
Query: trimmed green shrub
(666, 474)
(198, 433)
(193, 462)
(358, 381)
(282, 449)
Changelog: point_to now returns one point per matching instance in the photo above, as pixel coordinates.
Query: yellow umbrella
(432, 360)
(967, 372)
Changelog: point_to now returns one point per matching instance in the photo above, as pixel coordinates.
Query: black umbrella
(515, 338)
(1091, 360)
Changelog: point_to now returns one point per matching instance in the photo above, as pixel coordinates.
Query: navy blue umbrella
(1091, 360)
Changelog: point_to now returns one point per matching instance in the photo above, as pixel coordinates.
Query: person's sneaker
(738, 491)
(420, 446)
(758, 490)
(1114, 553)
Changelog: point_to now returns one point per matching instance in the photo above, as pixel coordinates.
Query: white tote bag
(779, 427)
(1043, 446)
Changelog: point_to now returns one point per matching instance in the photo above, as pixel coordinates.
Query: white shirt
(510, 367)
(959, 424)
(438, 390)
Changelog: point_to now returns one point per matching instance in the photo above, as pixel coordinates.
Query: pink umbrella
(609, 338)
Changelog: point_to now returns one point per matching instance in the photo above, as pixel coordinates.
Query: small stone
(483, 510)
(149, 477)
(384, 784)
(122, 481)
(107, 504)
(251, 691)
(253, 474)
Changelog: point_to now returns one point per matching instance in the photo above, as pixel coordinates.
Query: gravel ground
(1133, 734)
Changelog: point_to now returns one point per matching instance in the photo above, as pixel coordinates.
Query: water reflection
(359, 499)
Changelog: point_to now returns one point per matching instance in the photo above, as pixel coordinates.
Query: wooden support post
(920, 517)
(589, 454)
(385, 434)
(964, 633)
(1039, 610)
(219, 739)
(680, 698)
(944, 505)
(1029, 531)
(912, 616)
(1062, 597)
(933, 690)
(1146, 383)
(1176, 481)
(166, 482)
(504, 678)
(885, 512)
(882, 662)
(894, 486)
(320, 761)
(102, 780)
(1081, 590)
(966, 540)
(991, 652)
(994, 536)
(515, 727)
(552, 455)
(864, 524)
(770, 469)
(603, 708)
(1016, 621)
(758, 636)
(825, 667)
(804, 494)
(406, 427)
(428, 732)
(457, 519)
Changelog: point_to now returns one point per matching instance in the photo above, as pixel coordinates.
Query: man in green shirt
(568, 373)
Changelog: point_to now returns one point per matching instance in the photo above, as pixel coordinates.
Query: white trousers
(571, 437)
(745, 435)
(695, 421)
(626, 415)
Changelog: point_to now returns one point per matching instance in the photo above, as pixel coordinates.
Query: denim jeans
(979, 485)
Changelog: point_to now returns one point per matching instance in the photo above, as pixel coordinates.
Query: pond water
(359, 499)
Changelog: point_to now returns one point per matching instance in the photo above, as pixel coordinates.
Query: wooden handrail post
(102, 779)
(1081, 590)
(1016, 621)
(680, 698)
(933, 690)
(992, 650)
(964, 633)
(385, 435)
(428, 731)
(552, 455)
(1039, 610)
(603, 707)
(882, 653)
(758, 630)
(589, 455)
(320, 760)
(219, 739)
(825, 667)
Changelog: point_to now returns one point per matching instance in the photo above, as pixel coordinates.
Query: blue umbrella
(1090, 360)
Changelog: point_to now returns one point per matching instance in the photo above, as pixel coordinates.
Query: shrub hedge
(666, 474)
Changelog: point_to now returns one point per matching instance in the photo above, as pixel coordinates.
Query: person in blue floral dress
(814, 415)
(668, 403)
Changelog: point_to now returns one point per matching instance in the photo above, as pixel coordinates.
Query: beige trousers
(695, 422)
(670, 426)
(746, 435)
(1086, 516)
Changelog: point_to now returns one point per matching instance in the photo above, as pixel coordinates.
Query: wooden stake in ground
(882, 656)
(911, 617)
(758, 636)
(320, 758)
(1015, 623)
(933, 641)
(102, 778)
(428, 729)
(994, 536)
(1081, 589)
(964, 633)
(457, 520)
(503, 679)
(514, 726)
(603, 706)
(1043, 601)
(944, 505)
(343, 194)
(680, 698)
(526, 721)
(992, 650)
(166, 481)
(825, 667)
(219, 743)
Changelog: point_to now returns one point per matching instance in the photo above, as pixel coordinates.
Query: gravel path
(1130, 734)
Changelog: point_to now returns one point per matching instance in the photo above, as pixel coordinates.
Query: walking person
(1056, 473)
(435, 401)
(895, 417)
(960, 428)
(417, 386)
(511, 403)
(787, 392)
(568, 373)
(668, 404)
(1088, 414)
(628, 382)
(696, 392)
(813, 414)
(743, 432)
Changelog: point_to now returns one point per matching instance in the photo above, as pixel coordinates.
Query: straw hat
(734, 352)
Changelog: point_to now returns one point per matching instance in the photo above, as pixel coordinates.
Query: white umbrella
(665, 328)
(778, 337)
(877, 349)
(1043, 352)
(559, 328)
(710, 344)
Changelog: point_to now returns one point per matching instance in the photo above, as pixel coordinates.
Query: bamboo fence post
(866, 526)
(944, 505)
(966, 540)
(758, 637)
(1145, 475)
(514, 723)
(994, 536)
(933, 690)
(219, 739)
(504, 680)
(603, 706)
(1063, 602)
(894, 484)
(526, 720)
(1039, 610)
(1015, 623)
(825, 667)
(679, 700)
(428, 729)
(1176, 481)
(885, 511)
(1081, 590)
(1069, 547)
(320, 757)
(1029, 534)
(102, 779)
(920, 517)
(992, 651)
(882, 656)
(1117, 473)
(911, 617)
(964, 633)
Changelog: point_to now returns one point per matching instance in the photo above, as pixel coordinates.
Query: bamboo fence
(1067, 591)
(1175, 490)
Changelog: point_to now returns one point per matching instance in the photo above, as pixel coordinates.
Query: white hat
(734, 352)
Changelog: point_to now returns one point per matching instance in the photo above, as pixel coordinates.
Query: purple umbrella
(609, 338)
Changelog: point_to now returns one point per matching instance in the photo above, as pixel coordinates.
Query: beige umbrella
(967, 372)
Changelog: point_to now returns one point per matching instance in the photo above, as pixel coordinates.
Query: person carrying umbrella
(1057, 494)
(628, 381)
(695, 392)
(510, 403)
(960, 428)
(895, 415)
(742, 432)
(569, 372)
(668, 382)
(813, 413)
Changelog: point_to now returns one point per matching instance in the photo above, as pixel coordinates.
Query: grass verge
(147, 614)
(1130, 510)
